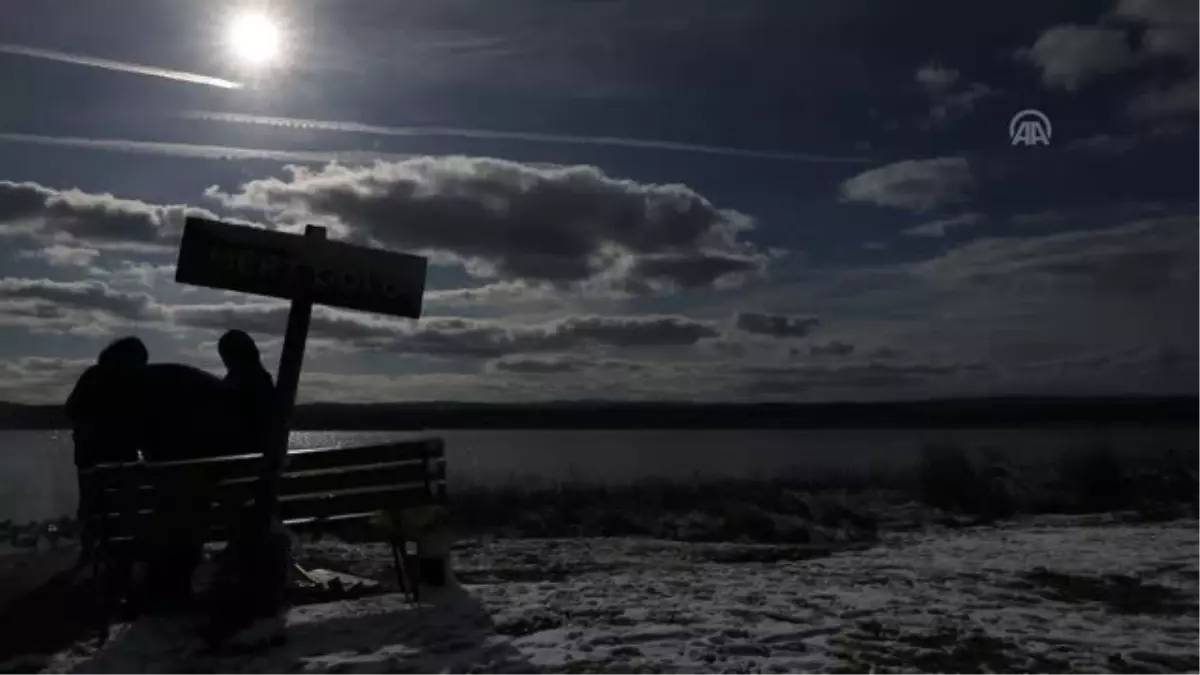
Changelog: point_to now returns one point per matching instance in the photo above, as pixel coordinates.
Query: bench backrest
(320, 485)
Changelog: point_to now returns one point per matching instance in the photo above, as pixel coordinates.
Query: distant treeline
(1174, 411)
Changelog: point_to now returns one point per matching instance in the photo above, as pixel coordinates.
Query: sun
(255, 39)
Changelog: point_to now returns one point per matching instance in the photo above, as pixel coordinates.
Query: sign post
(305, 269)
(291, 360)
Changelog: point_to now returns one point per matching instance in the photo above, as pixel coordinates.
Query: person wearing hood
(251, 578)
(103, 411)
(251, 387)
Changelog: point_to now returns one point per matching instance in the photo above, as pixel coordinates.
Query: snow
(1046, 595)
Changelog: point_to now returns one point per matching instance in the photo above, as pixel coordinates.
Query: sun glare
(255, 39)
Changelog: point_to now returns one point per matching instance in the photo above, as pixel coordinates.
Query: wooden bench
(320, 488)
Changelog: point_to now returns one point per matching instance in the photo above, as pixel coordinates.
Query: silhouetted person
(189, 414)
(103, 410)
(252, 576)
(252, 389)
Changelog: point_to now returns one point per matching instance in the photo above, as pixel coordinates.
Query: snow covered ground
(1052, 594)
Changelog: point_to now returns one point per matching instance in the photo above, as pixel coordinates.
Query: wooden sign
(305, 269)
(268, 262)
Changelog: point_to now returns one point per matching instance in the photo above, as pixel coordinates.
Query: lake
(37, 475)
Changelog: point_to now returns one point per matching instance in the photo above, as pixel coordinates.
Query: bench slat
(237, 490)
(294, 509)
(319, 487)
(125, 545)
(241, 466)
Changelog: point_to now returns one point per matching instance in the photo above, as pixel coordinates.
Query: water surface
(37, 475)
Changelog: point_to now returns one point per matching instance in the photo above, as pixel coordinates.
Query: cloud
(1133, 33)
(101, 221)
(80, 295)
(776, 325)
(938, 228)
(59, 255)
(1139, 257)
(936, 78)
(78, 307)
(695, 270)
(1179, 98)
(956, 104)
(948, 101)
(835, 348)
(1070, 55)
(553, 364)
(1169, 25)
(39, 379)
(1045, 217)
(792, 380)
(1108, 144)
(914, 185)
(1160, 357)
(136, 273)
(499, 293)
(453, 337)
(884, 353)
(566, 226)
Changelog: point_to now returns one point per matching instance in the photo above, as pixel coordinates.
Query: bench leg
(113, 580)
(413, 562)
(399, 566)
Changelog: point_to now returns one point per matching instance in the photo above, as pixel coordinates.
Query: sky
(642, 200)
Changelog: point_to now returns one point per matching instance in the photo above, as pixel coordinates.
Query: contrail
(194, 151)
(531, 137)
(120, 66)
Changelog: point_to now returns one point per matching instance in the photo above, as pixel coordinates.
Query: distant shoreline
(976, 413)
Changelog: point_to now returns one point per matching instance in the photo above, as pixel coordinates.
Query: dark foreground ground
(1085, 562)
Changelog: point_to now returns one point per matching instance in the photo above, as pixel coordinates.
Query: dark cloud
(1132, 34)
(691, 271)
(1179, 98)
(835, 348)
(726, 348)
(1168, 26)
(551, 364)
(456, 337)
(949, 101)
(938, 228)
(914, 185)
(561, 225)
(54, 298)
(1157, 357)
(1107, 144)
(100, 220)
(796, 379)
(39, 379)
(1047, 217)
(776, 325)
(1139, 257)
